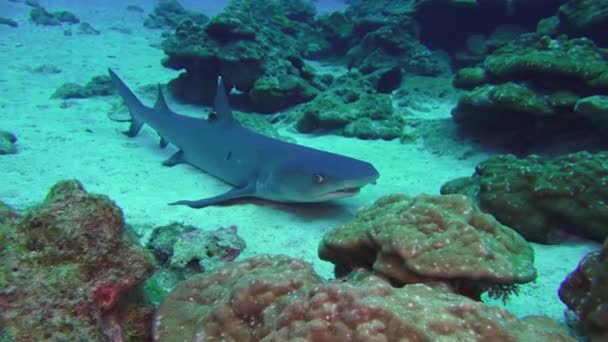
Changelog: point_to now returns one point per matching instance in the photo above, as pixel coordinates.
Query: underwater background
(486, 121)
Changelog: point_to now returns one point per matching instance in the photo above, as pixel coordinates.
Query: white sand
(79, 142)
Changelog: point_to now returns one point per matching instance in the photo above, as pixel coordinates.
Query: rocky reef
(537, 197)
(100, 85)
(40, 16)
(70, 270)
(263, 56)
(258, 54)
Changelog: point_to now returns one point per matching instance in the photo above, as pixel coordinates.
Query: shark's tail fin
(132, 102)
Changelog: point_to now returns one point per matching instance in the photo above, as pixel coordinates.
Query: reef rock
(584, 292)
(67, 268)
(7, 143)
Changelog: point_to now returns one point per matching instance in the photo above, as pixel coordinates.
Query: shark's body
(254, 164)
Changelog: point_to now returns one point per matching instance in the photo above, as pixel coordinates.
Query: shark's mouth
(342, 193)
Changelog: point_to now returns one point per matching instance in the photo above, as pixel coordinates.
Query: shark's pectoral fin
(134, 128)
(246, 191)
(163, 142)
(176, 158)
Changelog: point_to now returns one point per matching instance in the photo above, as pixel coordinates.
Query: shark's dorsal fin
(161, 103)
(221, 107)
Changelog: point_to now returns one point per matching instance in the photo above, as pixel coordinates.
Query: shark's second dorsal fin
(221, 107)
(161, 103)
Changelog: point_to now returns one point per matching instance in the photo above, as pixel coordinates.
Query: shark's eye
(318, 178)
(212, 116)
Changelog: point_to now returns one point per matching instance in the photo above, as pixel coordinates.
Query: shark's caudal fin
(132, 102)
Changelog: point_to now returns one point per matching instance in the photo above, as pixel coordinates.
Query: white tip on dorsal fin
(221, 106)
(161, 103)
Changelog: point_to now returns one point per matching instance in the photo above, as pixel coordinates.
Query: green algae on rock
(536, 196)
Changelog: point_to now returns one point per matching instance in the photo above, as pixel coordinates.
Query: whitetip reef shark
(254, 164)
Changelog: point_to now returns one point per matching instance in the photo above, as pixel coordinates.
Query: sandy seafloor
(74, 139)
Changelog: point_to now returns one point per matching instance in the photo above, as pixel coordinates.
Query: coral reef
(67, 269)
(7, 143)
(168, 14)
(258, 54)
(536, 197)
(98, 86)
(279, 298)
(432, 239)
(584, 292)
(530, 94)
(351, 108)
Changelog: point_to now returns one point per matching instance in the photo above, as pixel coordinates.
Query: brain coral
(281, 299)
(537, 196)
(431, 238)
